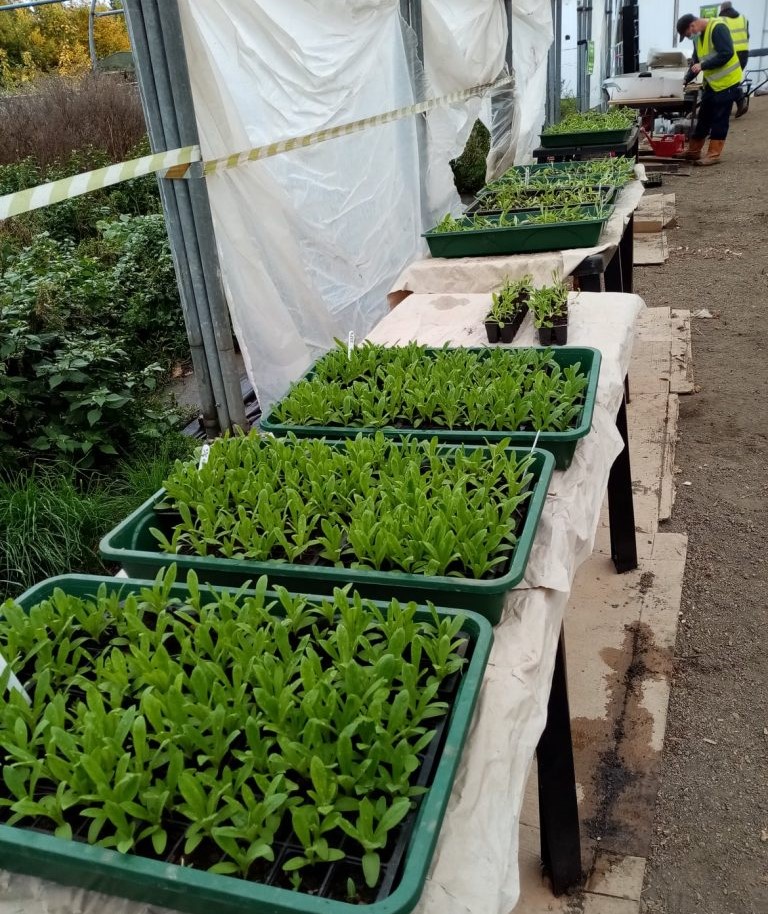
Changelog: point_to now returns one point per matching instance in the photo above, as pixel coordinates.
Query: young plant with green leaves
(367, 503)
(614, 171)
(514, 197)
(412, 387)
(590, 121)
(549, 304)
(510, 299)
(211, 729)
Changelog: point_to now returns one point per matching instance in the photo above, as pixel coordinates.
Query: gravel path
(710, 853)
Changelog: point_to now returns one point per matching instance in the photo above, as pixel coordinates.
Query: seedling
(367, 503)
(548, 303)
(238, 719)
(410, 387)
(590, 121)
(511, 298)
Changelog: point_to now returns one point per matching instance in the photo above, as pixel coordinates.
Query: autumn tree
(54, 38)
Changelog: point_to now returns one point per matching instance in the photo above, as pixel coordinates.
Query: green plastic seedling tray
(132, 545)
(585, 138)
(518, 239)
(561, 445)
(154, 882)
(477, 209)
(556, 172)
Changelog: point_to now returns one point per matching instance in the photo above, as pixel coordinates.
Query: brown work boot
(695, 147)
(713, 153)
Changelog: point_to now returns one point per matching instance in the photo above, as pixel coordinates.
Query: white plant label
(204, 455)
(13, 682)
(350, 343)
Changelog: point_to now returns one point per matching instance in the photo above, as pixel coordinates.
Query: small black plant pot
(492, 331)
(505, 333)
(556, 335)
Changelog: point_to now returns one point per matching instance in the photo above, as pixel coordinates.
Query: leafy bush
(469, 168)
(75, 219)
(52, 517)
(76, 394)
(76, 390)
(144, 282)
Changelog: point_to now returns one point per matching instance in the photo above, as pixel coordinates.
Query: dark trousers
(715, 112)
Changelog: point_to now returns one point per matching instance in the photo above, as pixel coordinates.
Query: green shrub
(87, 332)
(75, 394)
(469, 168)
(75, 219)
(144, 281)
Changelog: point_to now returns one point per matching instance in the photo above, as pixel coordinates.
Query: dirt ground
(710, 849)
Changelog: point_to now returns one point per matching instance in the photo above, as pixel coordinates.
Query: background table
(484, 274)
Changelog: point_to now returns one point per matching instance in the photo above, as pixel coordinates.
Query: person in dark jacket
(739, 26)
(713, 56)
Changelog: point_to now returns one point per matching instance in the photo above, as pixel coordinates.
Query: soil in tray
(342, 880)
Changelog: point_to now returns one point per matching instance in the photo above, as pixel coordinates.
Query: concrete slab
(620, 637)
(604, 904)
(617, 876)
(667, 488)
(652, 326)
(681, 381)
(651, 249)
(647, 421)
(651, 375)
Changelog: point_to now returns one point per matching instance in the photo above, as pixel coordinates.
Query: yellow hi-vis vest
(739, 32)
(723, 77)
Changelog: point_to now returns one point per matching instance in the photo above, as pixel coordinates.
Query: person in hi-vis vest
(715, 58)
(739, 26)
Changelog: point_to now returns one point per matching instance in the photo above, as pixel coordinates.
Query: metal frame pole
(166, 96)
(554, 65)
(92, 34)
(27, 4)
(411, 15)
(505, 95)
(204, 237)
(92, 17)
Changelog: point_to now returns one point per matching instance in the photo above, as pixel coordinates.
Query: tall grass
(52, 518)
(59, 116)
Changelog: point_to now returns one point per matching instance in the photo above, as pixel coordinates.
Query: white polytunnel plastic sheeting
(311, 240)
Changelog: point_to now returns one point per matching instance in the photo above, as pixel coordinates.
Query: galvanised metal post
(554, 69)
(505, 95)
(200, 209)
(166, 94)
(410, 13)
(159, 142)
(27, 4)
(93, 15)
